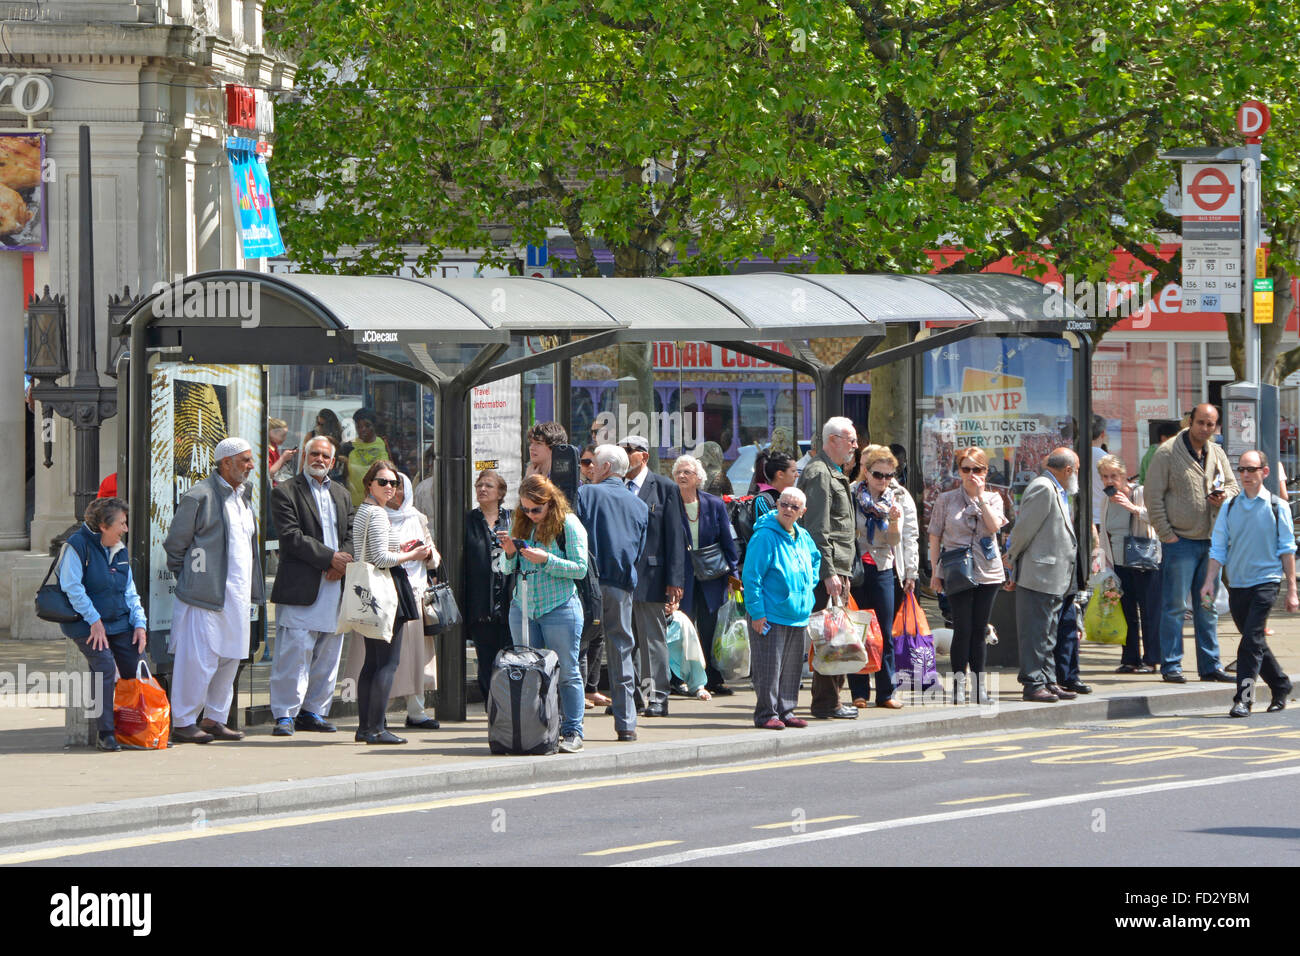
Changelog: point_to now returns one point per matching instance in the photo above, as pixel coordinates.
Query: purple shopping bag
(914, 660)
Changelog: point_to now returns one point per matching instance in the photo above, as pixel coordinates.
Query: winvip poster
(192, 408)
(1012, 397)
(259, 229)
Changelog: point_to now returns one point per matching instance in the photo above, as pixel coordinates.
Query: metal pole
(1250, 209)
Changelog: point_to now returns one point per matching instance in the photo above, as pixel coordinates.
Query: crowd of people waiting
(668, 553)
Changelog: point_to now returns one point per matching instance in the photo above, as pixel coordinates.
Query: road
(1193, 790)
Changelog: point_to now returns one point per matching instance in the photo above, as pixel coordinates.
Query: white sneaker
(570, 744)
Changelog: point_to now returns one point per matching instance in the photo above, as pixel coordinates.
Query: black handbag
(593, 606)
(957, 567)
(1142, 554)
(440, 609)
(709, 562)
(52, 603)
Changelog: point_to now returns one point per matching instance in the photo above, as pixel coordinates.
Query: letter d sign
(1253, 119)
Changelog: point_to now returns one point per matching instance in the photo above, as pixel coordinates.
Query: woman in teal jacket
(781, 569)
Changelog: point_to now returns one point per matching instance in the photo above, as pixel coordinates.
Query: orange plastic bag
(873, 640)
(141, 712)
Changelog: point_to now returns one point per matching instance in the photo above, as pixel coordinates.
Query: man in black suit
(314, 518)
(660, 575)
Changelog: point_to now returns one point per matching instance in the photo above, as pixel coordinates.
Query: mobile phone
(411, 545)
(1109, 491)
(520, 543)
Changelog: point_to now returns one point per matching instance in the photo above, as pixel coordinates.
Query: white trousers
(201, 682)
(304, 671)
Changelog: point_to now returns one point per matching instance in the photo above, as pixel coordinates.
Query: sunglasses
(386, 482)
(587, 463)
(882, 475)
(1249, 469)
(787, 506)
(541, 509)
(975, 470)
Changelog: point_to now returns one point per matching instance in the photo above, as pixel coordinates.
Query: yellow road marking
(792, 821)
(1167, 776)
(257, 826)
(1000, 796)
(629, 849)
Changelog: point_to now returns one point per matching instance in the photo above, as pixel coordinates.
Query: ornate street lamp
(84, 402)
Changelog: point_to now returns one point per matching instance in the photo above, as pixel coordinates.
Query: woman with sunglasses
(371, 527)
(550, 569)
(887, 545)
(1124, 513)
(969, 516)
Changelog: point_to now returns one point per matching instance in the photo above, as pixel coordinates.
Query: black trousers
(489, 637)
(970, 624)
(376, 680)
(706, 622)
(589, 647)
(1250, 608)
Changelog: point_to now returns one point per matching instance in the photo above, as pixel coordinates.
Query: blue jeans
(1182, 570)
(876, 593)
(559, 630)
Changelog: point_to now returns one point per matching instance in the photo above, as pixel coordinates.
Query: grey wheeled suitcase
(523, 702)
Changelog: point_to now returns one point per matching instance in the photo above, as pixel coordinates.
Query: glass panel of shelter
(1012, 396)
(694, 398)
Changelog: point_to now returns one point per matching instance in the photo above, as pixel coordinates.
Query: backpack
(588, 587)
(741, 512)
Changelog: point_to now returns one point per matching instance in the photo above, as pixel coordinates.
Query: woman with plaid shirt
(554, 554)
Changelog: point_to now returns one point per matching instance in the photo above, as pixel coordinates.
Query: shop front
(450, 373)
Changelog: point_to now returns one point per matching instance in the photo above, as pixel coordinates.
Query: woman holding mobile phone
(547, 547)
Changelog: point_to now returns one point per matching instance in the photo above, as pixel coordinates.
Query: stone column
(13, 419)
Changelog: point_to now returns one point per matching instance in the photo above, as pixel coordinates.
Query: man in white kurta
(210, 644)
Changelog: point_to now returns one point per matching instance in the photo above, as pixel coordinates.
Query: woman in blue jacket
(782, 566)
(95, 574)
(704, 519)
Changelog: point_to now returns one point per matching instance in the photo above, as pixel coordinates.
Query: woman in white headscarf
(416, 670)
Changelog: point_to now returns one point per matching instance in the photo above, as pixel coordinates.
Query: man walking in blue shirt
(1252, 532)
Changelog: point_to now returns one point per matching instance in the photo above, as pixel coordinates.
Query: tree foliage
(865, 133)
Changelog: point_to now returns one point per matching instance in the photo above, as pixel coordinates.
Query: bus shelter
(456, 369)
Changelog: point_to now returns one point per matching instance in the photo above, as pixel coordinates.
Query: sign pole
(1250, 210)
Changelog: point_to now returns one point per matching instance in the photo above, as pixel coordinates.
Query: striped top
(371, 525)
(551, 585)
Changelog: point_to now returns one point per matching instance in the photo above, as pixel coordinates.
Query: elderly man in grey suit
(1042, 552)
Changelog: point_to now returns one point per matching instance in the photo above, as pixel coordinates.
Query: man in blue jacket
(616, 520)
(1254, 539)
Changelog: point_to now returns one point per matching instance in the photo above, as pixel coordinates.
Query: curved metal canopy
(738, 308)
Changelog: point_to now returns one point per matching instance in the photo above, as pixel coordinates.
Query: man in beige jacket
(1188, 480)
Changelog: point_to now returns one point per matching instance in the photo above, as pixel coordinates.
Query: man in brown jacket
(829, 520)
(1188, 480)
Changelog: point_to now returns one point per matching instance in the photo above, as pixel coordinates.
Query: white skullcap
(229, 447)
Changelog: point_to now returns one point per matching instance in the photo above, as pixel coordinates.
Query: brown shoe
(597, 699)
(1040, 695)
(220, 731)
(861, 703)
(1061, 692)
(892, 704)
(190, 735)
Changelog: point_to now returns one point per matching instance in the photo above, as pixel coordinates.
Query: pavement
(50, 792)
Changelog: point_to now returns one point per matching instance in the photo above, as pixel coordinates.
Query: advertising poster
(193, 407)
(259, 229)
(1010, 397)
(496, 432)
(22, 193)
